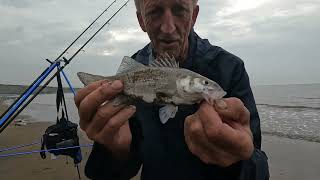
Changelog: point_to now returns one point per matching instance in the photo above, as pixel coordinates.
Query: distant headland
(19, 89)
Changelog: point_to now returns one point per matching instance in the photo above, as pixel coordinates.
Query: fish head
(200, 87)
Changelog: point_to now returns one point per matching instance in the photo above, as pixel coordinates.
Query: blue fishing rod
(11, 113)
(49, 69)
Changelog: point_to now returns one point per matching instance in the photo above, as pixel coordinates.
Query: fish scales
(152, 84)
(161, 84)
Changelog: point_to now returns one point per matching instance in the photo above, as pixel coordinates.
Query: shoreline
(289, 158)
(314, 139)
(27, 118)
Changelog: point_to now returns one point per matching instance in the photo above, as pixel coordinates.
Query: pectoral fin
(167, 112)
(121, 100)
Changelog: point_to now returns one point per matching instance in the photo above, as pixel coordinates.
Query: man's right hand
(101, 120)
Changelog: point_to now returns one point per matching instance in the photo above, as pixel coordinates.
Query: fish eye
(205, 82)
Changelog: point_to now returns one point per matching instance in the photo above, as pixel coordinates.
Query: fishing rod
(66, 62)
(49, 69)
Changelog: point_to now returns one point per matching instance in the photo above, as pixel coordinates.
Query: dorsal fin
(129, 64)
(165, 61)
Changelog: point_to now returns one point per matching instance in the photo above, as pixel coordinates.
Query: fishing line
(60, 69)
(107, 22)
(48, 69)
(69, 83)
(67, 61)
(20, 146)
(47, 150)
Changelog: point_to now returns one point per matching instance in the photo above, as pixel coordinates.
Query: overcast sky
(279, 40)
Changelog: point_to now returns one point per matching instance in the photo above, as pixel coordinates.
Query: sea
(291, 111)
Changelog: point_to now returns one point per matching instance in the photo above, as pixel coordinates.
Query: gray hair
(137, 3)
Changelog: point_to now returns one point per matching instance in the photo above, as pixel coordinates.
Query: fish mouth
(212, 94)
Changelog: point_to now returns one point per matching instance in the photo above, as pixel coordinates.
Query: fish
(162, 82)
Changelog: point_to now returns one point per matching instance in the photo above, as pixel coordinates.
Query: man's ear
(141, 21)
(195, 15)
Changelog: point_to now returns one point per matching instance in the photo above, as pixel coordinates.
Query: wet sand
(33, 166)
(291, 159)
(288, 158)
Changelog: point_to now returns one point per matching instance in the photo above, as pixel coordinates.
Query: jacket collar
(197, 49)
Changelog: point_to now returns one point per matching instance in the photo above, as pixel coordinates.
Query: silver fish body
(162, 83)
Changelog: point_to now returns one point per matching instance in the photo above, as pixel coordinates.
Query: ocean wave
(308, 98)
(289, 107)
(311, 98)
(42, 104)
(310, 138)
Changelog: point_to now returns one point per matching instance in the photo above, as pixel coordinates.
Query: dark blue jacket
(161, 148)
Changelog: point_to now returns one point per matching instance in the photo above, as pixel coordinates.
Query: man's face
(168, 24)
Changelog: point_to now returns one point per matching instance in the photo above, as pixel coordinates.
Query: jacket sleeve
(101, 165)
(256, 168)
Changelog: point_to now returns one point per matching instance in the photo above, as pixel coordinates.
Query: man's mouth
(168, 42)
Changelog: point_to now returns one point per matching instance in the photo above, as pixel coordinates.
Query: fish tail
(87, 78)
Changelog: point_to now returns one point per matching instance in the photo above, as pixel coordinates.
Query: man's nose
(168, 24)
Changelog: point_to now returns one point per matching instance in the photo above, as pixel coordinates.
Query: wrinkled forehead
(167, 2)
(163, 3)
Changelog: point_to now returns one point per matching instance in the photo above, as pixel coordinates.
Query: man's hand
(220, 134)
(103, 122)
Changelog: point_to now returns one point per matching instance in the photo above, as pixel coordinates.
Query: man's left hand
(220, 134)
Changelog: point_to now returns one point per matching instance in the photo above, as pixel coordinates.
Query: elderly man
(201, 142)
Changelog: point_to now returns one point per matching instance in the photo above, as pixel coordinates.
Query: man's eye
(154, 12)
(179, 11)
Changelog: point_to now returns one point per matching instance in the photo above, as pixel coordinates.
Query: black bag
(62, 137)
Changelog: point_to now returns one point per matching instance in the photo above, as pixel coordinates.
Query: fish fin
(167, 112)
(121, 100)
(165, 61)
(87, 78)
(129, 64)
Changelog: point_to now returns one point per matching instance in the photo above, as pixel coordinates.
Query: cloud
(266, 34)
(15, 3)
(269, 35)
(238, 6)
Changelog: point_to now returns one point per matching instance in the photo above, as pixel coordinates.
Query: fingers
(200, 145)
(214, 127)
(101, 117)
(221, 133)
(102, 121)
(116, 122)
(82, 93)
(233, 109)
(221, 139)
(92, 101)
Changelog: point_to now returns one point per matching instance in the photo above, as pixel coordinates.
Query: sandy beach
(33, 166)
(291, 159)
(288, 158)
